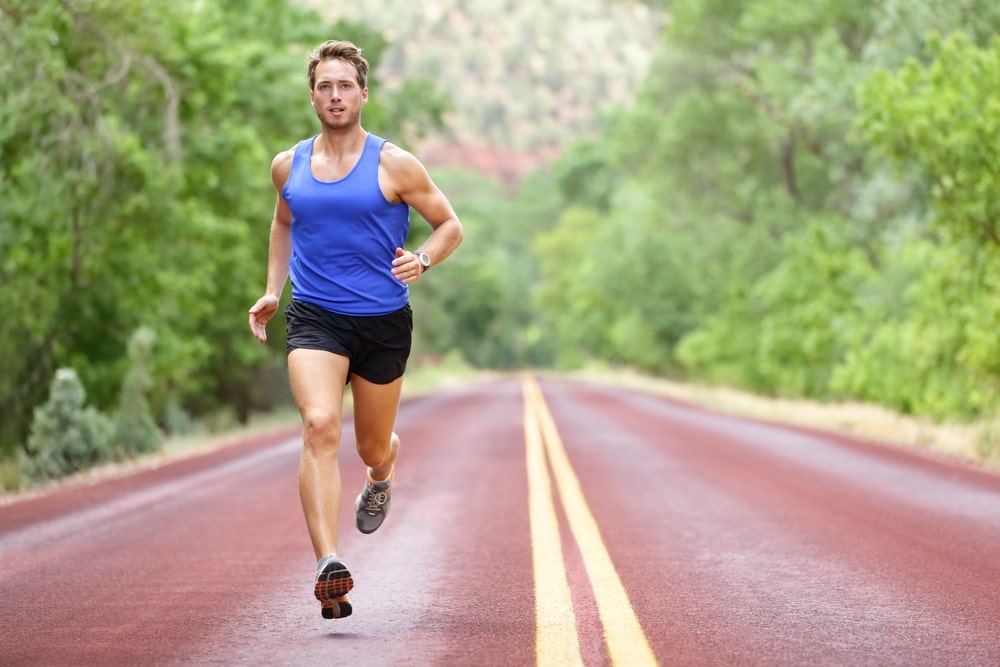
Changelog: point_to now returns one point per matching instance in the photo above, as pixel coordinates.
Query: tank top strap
(302, 156)
(373, 150)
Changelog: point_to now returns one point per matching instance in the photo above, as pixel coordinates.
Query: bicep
(282, 214)
(281, 167)
(433, 206)
(420, 193)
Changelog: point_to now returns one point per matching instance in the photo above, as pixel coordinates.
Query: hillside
(525, 78)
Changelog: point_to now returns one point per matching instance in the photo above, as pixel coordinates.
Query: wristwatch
(425, 260)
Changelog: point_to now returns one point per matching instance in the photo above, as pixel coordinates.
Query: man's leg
(317, 379)
(375, 408)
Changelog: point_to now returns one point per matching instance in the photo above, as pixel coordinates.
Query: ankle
(382, 480)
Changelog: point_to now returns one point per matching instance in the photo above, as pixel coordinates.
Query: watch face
(424, 259)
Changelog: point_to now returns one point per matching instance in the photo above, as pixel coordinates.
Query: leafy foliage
(66, 434)
(479, 304)
(944, 119)
(135, 139)
(804, 203)
(801, 199)
(940, 118)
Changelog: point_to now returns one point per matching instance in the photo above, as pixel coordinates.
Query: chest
(330, 170)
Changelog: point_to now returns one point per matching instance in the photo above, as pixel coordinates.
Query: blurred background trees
(805, 205)
(135, 142)
(799, 199)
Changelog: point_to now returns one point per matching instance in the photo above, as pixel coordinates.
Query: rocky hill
(525, 77)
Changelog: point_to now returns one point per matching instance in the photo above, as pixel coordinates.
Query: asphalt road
(533, 522)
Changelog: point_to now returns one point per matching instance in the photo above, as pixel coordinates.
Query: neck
(340, 141)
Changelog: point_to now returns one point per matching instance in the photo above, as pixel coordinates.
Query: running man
(340, 221)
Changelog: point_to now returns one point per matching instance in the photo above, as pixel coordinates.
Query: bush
(135, 429)
(65, 435)
(10, 475)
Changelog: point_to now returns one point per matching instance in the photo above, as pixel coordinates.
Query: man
(340, 222)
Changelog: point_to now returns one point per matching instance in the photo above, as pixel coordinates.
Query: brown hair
(338, 50)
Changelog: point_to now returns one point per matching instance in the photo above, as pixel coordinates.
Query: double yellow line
(556, 638)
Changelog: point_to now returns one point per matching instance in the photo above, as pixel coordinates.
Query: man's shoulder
(281, 166)
(395, 158)
(284, 156)
(289, 153)
(282, 162)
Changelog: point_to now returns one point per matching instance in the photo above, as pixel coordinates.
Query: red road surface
(737, 543)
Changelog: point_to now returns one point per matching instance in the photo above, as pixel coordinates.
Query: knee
(322, 430)
(376, 452)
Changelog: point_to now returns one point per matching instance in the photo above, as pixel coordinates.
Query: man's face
(336, 96)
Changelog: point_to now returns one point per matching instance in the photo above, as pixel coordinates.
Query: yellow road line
(556, 639)
(627, 643)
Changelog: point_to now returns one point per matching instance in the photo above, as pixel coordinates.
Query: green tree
(739, 182)
(480, 303)
(134, 144)
(944, 118)
(938, 353)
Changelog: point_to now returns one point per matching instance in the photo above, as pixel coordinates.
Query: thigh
(385, 345)
(314, 328)
(317, 378)
(375, 408)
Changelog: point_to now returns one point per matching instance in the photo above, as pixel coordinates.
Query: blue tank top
(344, 236)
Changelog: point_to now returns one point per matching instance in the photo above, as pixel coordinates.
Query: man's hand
(261, 314)
(406, 267)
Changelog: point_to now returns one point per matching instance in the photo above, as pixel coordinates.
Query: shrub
(135, 429)
(66, 436)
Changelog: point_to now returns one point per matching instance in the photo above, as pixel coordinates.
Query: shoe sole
(332, 587)
(338, 608)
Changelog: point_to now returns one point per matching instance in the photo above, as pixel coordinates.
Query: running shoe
(336, 608)
(372, 505)
(333, 581)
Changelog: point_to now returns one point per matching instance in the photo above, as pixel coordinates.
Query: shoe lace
(375, 499)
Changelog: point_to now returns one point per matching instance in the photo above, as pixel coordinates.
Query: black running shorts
(377, 345)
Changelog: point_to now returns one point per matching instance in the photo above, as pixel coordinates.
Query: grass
(974, 442)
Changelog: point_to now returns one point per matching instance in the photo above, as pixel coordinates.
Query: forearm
(443, 241)
(278, 254)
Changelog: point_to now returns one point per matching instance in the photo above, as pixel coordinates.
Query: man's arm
(412, 185)
(279, 250)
